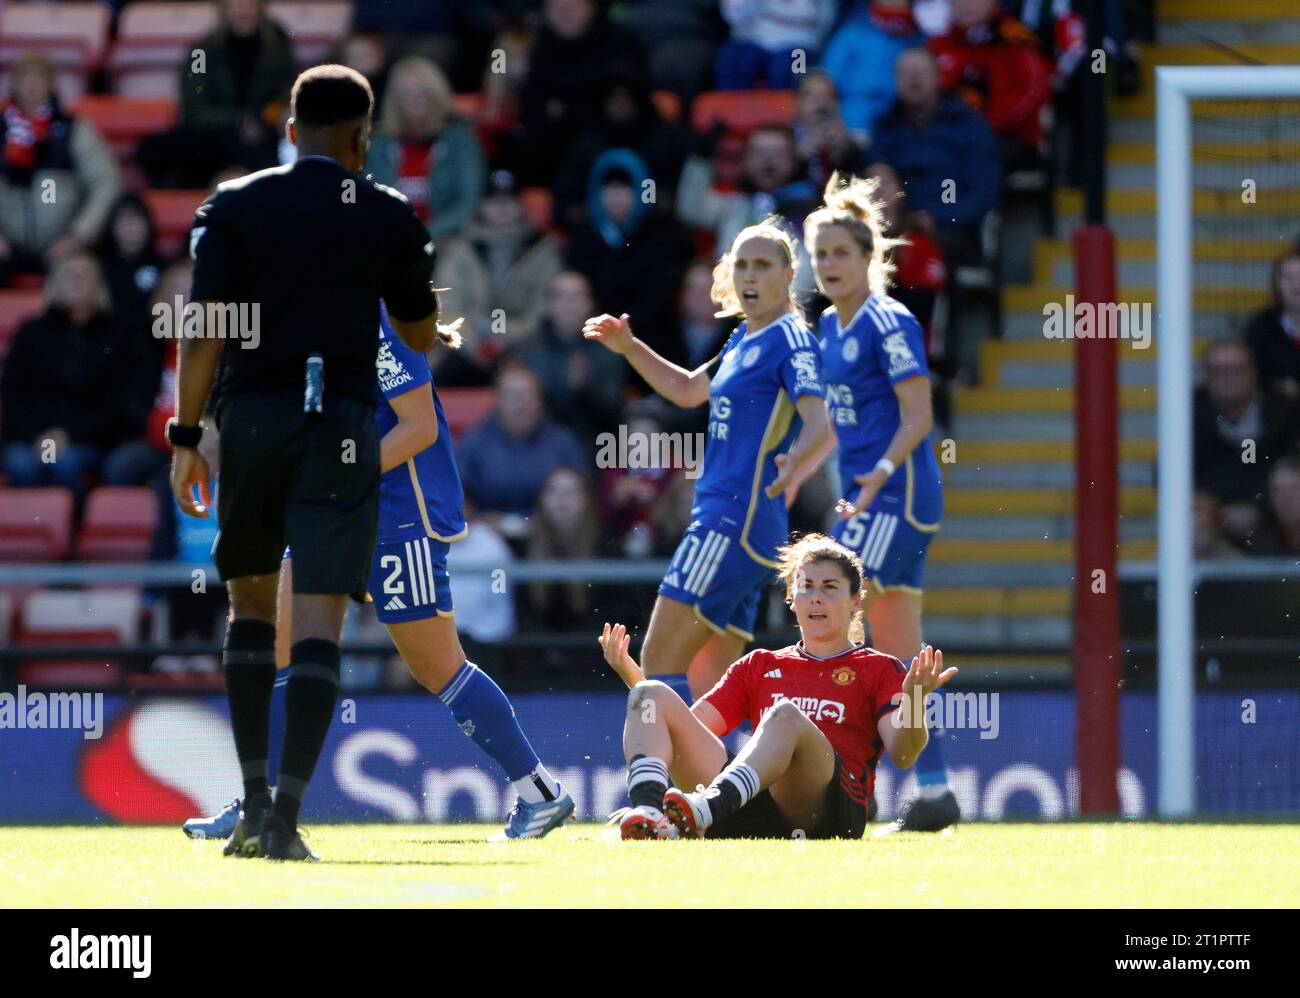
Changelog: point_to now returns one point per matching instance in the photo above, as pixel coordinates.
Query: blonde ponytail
(850, 203)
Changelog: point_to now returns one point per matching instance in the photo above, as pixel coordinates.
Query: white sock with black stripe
(647, 781)
(730, 790)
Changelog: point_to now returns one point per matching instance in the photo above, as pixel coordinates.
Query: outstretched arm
(678, 385)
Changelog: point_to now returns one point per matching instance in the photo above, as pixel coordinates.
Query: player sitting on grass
(821, 709)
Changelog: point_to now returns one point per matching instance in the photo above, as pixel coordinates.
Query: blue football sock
(930, 770)
(485, 714)
(277, 724)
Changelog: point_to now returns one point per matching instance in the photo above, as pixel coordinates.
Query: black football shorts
(762, 819)
(310, 482)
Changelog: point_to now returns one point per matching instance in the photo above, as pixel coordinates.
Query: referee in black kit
(290, 265)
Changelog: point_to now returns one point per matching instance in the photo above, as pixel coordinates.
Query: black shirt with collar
(309, 250)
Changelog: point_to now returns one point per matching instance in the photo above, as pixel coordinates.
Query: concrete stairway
(1001, 567)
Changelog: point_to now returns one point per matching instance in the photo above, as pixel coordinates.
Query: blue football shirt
(752, 419)
(882, 345)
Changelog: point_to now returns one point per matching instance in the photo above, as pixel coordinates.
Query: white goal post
(1176, 87)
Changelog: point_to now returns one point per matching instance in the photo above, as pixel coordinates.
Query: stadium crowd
(569, 157)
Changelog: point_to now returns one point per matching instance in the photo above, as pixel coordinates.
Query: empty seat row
(152, 42)
(58, 619)
(36, 524)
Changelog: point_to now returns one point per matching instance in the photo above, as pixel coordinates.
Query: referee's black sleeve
(213, 250)
(408, 285)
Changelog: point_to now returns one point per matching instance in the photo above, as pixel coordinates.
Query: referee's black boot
(245, 840)
(933, 815)
(280, 842)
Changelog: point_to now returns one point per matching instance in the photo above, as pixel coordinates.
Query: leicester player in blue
(767, 423)
(420, 516)
(878, 394)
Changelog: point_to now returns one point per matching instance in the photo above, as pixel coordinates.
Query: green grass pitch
(981, 865)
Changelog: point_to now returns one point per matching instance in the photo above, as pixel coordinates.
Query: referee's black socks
(309, 709)
(249, 661)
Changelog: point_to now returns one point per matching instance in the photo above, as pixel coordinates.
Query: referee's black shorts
(310, 482)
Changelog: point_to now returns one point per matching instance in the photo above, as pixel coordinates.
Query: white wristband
(885, 465)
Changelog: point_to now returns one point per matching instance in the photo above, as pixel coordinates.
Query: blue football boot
(532, 821)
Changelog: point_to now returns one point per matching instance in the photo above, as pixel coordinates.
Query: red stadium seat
(73, 34)
(56, 618)
(157, 31)
(35, 524)
(742, 110)
(112, 616)
(71, 674)
(123, 121)
(153, 40)
(118, 524)
(16, 307)
(466, 408)
(151, 82)
(315, 26)
(173, 211)
(538, 205)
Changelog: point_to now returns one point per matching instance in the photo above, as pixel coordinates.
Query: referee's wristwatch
(183, 436)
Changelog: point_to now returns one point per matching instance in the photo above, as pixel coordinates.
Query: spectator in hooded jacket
(578, 51)
(944, 154)
(628, 120)
(860, 58)
(1274, 333)
(46, 150)
(70, 395)
(769, 38)
(425, 150)
(632, 254)
(234, 83)
(997, 66)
